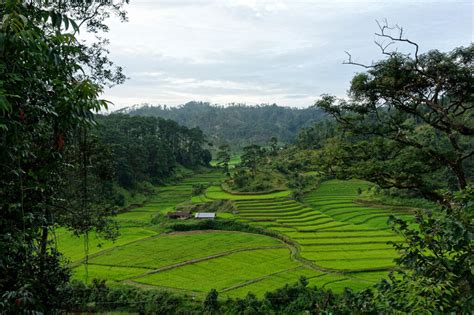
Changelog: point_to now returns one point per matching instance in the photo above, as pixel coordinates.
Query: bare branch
(350, 62)
(383, 28)
(383, 47)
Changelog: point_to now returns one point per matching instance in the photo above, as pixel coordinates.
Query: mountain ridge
(235, 124)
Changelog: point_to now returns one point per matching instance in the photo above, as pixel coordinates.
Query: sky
(256, 51)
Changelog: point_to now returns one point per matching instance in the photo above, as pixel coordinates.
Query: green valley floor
(332, 240)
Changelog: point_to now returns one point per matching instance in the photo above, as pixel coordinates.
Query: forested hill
(237, 125)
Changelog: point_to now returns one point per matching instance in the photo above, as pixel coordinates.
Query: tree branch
(385, 27)
(350, 62)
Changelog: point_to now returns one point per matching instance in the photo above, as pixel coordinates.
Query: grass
(321, 255)
(216, 193)
(234, 160)
(73, 247)
(351, 264)
(224, 272)
(162, 251)
(330, 231)
(276, 280)
(112, 274)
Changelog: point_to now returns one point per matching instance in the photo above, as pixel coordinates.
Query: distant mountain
(236, 124)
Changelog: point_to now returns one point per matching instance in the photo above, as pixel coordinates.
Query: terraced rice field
(232, 262)
(337, 243)
(193, 262)
(332, 232)
(215, 192)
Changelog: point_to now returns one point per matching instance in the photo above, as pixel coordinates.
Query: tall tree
(49, 89)
(223, 157)
(407, 107)
(250, 157)
(273, 146)
(149, 148)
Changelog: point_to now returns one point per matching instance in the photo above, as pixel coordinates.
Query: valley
(327, 238)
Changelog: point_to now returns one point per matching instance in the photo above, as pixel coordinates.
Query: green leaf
(74, 25)
(5, 106)
(66, 22)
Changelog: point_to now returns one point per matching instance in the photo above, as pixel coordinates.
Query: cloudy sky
(252, 51)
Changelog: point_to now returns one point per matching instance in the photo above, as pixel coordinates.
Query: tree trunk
(44, 242)
(458, 170)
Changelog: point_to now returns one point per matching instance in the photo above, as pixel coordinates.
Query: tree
(250, 157)
(315, 137)
(149, 148)
(273, 146)
(223, 157)
(237, 125)
(419, 106)
(49, 89)
(211, 304)
(436, 261)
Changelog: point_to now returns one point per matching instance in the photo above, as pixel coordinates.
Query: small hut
(182, 215)
(205, 215)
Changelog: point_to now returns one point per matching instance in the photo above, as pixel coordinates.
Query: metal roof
(205, 215)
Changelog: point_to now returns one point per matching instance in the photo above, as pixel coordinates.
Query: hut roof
(205, 215)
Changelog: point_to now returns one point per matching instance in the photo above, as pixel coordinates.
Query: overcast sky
(251, 51)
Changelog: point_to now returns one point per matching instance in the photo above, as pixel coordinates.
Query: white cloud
(255, 51)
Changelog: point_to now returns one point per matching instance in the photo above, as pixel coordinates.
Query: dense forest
(237, 125)
(149, 148)
(399, 149)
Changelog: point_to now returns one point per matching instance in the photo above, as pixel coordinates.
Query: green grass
(318, 255)
(224, 272)
(131, 198)
(331, 231)
(234, 160)
(136, 215)
(357, 263)
(73, 247)
(110, 273)
(216, 193)
(180, 247)
(278, 280)
(373, 277)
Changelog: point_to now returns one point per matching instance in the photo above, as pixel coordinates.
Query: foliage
(223, 157)
(410, 117)
(292, 159)
(49, 89)
(211, 206)
(297, 298)
(437, 261)
(265, 180)
(225, 225)
(395, 197)
(236, 124)
(251, 156)
(273, 143)
(149, 148)
(98, 297)
(316, 136)
(216, 192)
(210, 305)
(198, 189)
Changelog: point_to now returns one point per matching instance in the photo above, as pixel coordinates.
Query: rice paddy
(335, 243)
(332, 232)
